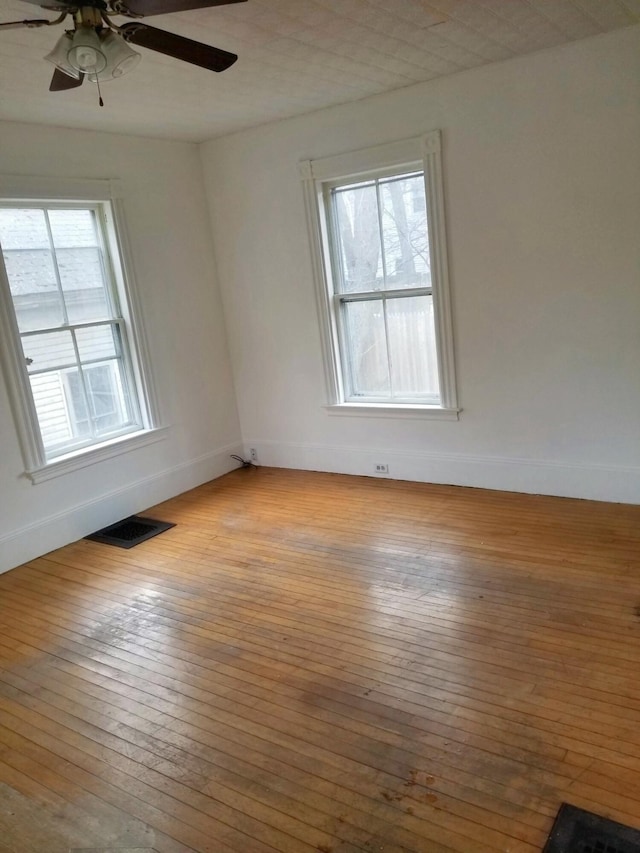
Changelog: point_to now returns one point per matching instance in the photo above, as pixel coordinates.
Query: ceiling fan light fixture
(86, 53)
(121, 58)
(100, 50)
(60, 53)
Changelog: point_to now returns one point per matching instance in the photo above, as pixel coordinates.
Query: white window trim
(98, 453)
(46, 190)
(424, 153)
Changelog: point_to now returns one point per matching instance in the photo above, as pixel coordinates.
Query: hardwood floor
(312, 662)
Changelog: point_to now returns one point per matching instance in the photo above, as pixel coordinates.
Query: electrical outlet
(253, 455)
(381, 468)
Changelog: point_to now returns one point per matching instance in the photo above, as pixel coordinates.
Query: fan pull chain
(100, 101)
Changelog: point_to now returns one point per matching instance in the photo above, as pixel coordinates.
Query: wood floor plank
(313, 662)
(591, 741)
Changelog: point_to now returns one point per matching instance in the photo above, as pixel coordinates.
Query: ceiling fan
(98, 49)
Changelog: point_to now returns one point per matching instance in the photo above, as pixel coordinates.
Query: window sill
(91, 455)
(399, 410)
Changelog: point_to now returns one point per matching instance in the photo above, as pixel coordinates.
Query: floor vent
(577, 831)
(130, 531)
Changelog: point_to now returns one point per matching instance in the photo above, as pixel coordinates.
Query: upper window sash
(331, 192)
(104, 244)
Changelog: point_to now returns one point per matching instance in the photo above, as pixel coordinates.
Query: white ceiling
(295, 56)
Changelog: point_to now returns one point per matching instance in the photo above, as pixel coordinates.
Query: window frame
(106, 198)
(318, 178)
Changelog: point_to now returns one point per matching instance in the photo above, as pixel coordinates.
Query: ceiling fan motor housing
(88, 16)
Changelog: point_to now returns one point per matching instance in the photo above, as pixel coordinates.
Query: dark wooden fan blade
(13, 25)
(55, 5)
(165, 7)
(177, 46)
(60, 81)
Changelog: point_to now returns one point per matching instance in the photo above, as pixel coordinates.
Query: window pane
(107, 411)
(76, 405)
(82, 282)
(96, 342)
(48, 350)
(357, 229)
(53, 415)
(73, 228)
(23, 229)
(367, 349)
(405, 235)
(412, 346)
(104, 387)
(33, 285)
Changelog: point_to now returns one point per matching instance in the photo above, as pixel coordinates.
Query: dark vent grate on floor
(577, 831)
(130, 531)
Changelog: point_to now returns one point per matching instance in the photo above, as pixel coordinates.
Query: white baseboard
(59, 529)
(592, 482)
(545, 477)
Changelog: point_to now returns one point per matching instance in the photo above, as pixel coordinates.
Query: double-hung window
(379, 248)
(70, 344)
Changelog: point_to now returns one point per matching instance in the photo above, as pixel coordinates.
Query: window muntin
(382, 288)
(73, 334)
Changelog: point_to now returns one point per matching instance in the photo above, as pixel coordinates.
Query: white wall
(542, 171)
(168, 226)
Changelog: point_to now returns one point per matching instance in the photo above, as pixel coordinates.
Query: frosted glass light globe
(86, 54)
